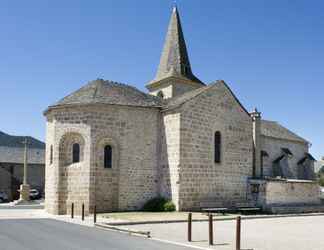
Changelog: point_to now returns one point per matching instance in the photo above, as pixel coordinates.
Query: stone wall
(172, 87)
(274, 147)
(170, 157)
(286, 193)
(51, 169)
(67, 182)
(201, 179)
(166, 90)
(133, 134)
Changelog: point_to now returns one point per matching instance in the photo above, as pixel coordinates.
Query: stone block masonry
(132, 180)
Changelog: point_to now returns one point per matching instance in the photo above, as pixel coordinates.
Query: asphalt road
(48, 234)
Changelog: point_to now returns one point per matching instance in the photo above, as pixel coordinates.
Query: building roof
(264, 153)
(307, 156)
(275, 130)
(17, 141)
(287, 151)
(278, 159)
(107, 92)
(174, 60)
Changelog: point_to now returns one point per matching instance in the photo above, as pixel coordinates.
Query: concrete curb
(215, 219)
(146, 234)
(181, 244)
(125, 230)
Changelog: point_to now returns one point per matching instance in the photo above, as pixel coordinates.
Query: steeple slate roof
(174, 60)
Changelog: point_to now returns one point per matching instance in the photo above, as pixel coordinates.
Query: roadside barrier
(238, 233)
(211, 229)
(95, 214)
(72, 210)
(189, 226)
(82, 211)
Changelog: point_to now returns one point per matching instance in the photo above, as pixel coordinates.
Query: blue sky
(271, 53)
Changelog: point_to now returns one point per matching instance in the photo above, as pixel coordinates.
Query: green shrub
(169, 206)
(321, 181)
(159, 204)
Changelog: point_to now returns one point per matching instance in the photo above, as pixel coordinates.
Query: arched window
(51, 154)
(108, 156)
(76, 153)
(217, 146)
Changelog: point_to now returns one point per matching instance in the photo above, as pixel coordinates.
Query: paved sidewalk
(286, 233)
(22, 213)
(294, 233)
(33, 212)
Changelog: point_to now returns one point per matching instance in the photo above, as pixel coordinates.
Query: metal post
(211, 233)
(95, 215)
(238, 233)
(189, 226)
(82, 211)
(72, 210)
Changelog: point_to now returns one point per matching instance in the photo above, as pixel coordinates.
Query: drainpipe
(256, 119)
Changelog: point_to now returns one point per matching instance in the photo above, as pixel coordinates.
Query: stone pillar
(256, 118)
(24, 188)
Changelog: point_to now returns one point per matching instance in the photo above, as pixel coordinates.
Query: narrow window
(218, 142)
(51, 154)
(76, 153)
(108, 157)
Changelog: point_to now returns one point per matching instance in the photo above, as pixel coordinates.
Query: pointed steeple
(174, 60)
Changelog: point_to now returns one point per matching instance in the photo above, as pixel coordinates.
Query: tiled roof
(278, 159)
(108, 92)
(275, 130)
(287, 151)
(307, 156)
(17, 141)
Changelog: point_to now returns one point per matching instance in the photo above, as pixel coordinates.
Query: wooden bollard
(189, 226)
(95, 214)
(72, 210)
(238, 233)
(211, 233)
(82, 211)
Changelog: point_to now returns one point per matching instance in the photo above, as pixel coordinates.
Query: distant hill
(17, 141)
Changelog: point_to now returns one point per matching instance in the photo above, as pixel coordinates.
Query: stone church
(111, 145)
